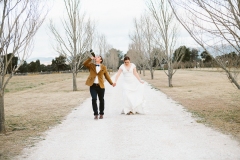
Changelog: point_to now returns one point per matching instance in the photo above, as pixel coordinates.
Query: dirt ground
(207, 93)
(35, 103)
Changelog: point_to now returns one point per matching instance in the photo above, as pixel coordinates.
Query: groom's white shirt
(97, 70)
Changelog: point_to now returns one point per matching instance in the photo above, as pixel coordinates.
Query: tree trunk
(231, 78)
(170, 81)
(2, 117)
(151, 73)
(143, 71)
(170, 75)
(74, 80)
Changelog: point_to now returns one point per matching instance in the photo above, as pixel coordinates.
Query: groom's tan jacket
(93, 74)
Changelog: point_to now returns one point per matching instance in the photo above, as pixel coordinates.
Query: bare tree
(113, 59)
(144, 37)
(106, 55)
(215, 26)
(136, 47)
(136, 56)
(167, 29)
(20, 21)
(77, 38)
(103, 46)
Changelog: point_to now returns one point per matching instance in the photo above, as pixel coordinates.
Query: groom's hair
(126, 58)
(101, 59)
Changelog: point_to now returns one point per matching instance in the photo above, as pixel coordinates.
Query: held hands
(141, 81)
(114, 84)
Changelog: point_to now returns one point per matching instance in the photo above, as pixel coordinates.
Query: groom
(96, 82)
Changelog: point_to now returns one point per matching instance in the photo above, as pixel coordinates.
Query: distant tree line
(192, 59)
(112, 59)
(58, 64)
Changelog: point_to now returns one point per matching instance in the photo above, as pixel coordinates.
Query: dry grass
(208, 94)
(35, 103)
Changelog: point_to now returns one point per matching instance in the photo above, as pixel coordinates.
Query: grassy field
(35, 103)
(207, 93)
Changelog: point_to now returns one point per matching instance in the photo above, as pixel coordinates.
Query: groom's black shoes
(130, 113)
(96, 117)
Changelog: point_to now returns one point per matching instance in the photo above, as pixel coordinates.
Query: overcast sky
(113, 18)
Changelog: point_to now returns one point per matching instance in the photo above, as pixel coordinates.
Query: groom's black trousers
(95, 91)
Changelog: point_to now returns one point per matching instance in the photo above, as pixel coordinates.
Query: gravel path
(165, 132)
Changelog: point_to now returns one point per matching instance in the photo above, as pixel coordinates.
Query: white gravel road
(165, 132)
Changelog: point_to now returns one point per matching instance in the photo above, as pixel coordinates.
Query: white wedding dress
(132, 92)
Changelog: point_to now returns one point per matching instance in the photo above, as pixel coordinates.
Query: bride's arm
(118, 74)
(137, 75)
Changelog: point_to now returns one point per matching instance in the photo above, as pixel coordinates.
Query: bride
(132, 88)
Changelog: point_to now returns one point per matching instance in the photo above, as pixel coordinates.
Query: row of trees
(113, 59)
(154, 39)
(213, 25)
(58, 64)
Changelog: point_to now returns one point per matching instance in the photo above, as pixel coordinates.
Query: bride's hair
(126, 58)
